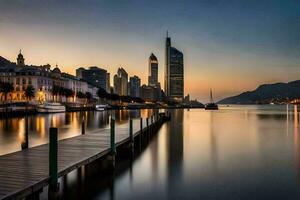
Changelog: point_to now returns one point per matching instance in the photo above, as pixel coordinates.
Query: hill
(267, 93)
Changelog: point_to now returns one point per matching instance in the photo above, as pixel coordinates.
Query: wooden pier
(27, 172)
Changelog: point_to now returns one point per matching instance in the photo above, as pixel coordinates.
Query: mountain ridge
(266, 93)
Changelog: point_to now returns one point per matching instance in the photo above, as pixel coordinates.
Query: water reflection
(240, 152)
(175, 152)
(12, 130)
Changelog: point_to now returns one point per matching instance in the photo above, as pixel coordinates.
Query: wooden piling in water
(141, 133)
(147, 129)
(83, 127)
(131, 134)
(112, 143)
(53, 184)
(112, 137)
(24, 144)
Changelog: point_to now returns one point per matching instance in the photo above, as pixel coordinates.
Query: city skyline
(243, 44)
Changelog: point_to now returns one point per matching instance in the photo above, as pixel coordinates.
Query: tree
(6, 88)
(55, 91)
(80, 95)
(62, 91)
(88, 96)
(68, 93)
(127, 99)
(29, 92)
(102, 93)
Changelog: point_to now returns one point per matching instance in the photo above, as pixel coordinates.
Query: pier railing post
(141, 126)
(152, 127)
(147, 123)
(112, 137)
(24, 144)
(131, 134)
(53, 159)
(112, 143)
(83, 127)
(141, 132)
(147, 127)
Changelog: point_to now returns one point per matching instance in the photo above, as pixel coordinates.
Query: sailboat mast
(211, 98)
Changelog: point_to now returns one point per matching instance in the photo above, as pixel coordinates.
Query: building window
(29, 81)
(18, 81)
(23, 81)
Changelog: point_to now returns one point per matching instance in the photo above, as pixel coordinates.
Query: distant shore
(19, 110)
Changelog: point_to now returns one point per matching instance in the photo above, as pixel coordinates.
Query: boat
(51, 107)
(211, 105)
(101, 107)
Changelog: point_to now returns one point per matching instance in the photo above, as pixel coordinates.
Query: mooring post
(53, 185)
(147, 128)
(83, 126)
(24, 144)
(141, 132)
(131, 134)
(147, 123)
(112, 137)
(141, 126)
(152, 127)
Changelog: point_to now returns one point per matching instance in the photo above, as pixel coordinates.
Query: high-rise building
(174, 72)
(134, 86)
(108, 82)
(95, 76)
(117, 84)
(121, 82)
(79, 72)
(153, 70)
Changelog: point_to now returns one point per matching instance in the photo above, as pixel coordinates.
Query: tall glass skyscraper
(153, 71)
(174, 68)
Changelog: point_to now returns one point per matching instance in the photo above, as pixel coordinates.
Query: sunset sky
(228, 45)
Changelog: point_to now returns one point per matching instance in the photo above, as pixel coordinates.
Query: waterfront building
(174, 72)
(121, 82)
(95, 76)
(153, 70)
(74, 83)
(134, 86)
(41, 78)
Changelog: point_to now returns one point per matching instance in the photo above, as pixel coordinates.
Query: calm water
(238, 152)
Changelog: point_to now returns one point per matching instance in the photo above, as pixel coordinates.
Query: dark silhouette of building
(174, 72)
(95, 76)
(153, 70)
(21, 59)
(121, 82)
(148, 93)
(134, 86)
